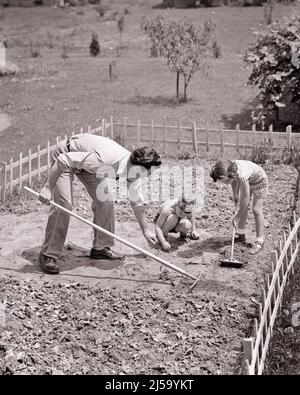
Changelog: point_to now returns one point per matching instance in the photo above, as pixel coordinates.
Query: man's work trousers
(58, 221)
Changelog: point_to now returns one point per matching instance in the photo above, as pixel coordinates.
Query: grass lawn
(54, 96)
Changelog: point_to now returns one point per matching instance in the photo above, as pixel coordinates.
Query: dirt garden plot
(135, 317)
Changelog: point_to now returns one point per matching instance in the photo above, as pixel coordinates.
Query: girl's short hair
(218, 170)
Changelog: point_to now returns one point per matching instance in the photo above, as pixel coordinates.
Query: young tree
(268, 8)
(121, 26)
(274, 59)
(156, 30)
(94, 45)
(184, 45)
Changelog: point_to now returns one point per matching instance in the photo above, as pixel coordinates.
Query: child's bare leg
(169, 224)
(240, 231)
(259, 222)
(184, 226)
(242, 223)
(259, 217)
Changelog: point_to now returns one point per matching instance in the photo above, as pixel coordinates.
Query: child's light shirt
(245, 170)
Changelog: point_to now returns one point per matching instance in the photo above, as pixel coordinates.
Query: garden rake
(231, 262)
(135, 247)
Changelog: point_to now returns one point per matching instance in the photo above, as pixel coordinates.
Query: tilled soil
(136, 317)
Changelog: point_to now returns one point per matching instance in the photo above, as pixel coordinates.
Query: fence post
(152, 132)
(111, 128)
(222, 137)
(295, 221)
(11, 174)
(207, 136)
(20, 171)
(178, 134)
(283, 258)
(268, 283)
(102, 127)
(254, 133)
(138, 133)
(48, 156)
(194, 135)
(271, 133)
(4, 179)
(289, 136)
(237, 130)
(81, 130)
(164, 134)
(39, 161)
(248, 352)
(274, 258)
(29, 167)
(125, 130)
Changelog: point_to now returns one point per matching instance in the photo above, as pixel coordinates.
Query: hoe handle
(135, 247)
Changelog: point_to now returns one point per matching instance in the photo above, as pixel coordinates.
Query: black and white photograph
(149, 190)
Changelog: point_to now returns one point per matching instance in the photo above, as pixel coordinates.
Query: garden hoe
(135, 247)
(231, 262)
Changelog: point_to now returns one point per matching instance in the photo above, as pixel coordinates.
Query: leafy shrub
(35, 50)
(49, 39)
(264, 152)
(94, 45)
(291, 156)
(102, 9)
(65, 50)
(275, 63)
(260, 153)
(211, 3)
(121, 23)
(216, 50)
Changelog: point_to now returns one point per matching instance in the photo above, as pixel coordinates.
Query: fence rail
(256, 347)
(16, 172)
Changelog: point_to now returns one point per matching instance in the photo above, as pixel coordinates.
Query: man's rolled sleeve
(135, 195)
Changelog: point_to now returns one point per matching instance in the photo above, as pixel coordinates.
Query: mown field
(64, 88)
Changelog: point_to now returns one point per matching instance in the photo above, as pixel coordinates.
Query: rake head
(231, 262)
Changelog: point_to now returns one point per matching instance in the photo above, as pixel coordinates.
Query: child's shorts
(260, 190)
(172, 230)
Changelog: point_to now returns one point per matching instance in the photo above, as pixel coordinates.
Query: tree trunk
(177, 84)
(185, 89)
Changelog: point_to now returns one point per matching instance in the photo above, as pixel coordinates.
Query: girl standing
(247, 179)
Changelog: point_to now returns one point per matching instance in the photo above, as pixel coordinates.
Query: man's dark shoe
(105, 253)
(240, 238)
(48, 264)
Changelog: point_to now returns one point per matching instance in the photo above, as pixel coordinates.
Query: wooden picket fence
(169, 136)
(16, 173)
(163, 136)
(256, 347)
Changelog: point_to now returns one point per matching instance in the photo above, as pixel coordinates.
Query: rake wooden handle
(232, 243)
(135, 247)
